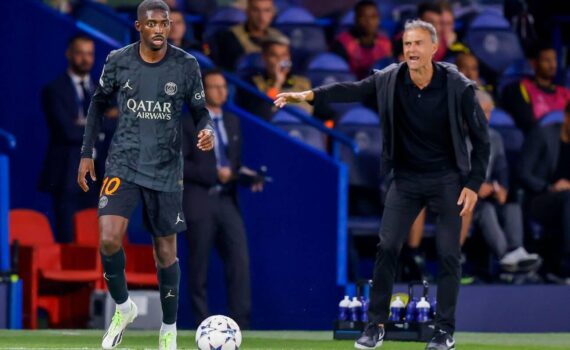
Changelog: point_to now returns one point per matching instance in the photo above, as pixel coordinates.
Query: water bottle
(343, 308)
(423, 308)
(411, 310)
(365, 304)
(355, 308)
(433, 310)
(396, 308)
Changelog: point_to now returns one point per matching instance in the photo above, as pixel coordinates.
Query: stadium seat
(554, 117)
(58, 278)
(383, 63)
(307, 38)
(204, 61)
(365, 178)
(517, 70)
(249, 64)
(363, 125)
(140, 268)
(297, 129)
(328, 68)
(513, 138)
(491, 39)
(223, 18)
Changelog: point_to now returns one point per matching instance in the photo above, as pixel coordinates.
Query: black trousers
(407, 194)
(219, 225)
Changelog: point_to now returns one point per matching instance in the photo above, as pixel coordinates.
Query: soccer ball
(218, 333)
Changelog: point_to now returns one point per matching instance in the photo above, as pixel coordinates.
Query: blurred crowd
(520, 230)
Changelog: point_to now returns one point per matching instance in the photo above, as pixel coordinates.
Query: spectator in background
(211, 208)
(500, 222)
(531, 99)
(468, 64)
(65, 102)
(363, 45)
(276, 78)
(177, 36)
(431, 12)
(545, 174)
(227, 46)
(448, 34)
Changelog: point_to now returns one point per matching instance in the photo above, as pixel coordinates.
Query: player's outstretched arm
(205, 140)
(86, 166)
(293, 97)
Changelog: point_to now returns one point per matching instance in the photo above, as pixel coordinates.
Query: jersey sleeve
(196, 98)
(100, 101)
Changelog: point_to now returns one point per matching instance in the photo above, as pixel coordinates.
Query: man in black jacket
(545, 174)
(65, 101)
(428, 111)
(211, 208)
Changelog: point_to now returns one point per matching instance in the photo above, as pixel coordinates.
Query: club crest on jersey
(170, 88)
(103, 201)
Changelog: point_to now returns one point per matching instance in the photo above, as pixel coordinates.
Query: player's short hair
(209, 72)
(428, 7)
(274, 40)
(78, 37)
(419, 24)
(362, 4)
(149, 5)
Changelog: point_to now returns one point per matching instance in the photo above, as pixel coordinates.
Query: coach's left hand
(467, 198)
(205, 139)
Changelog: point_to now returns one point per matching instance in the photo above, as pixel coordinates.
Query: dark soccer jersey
(146, 147)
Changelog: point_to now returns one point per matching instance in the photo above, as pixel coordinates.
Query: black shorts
(162, 211)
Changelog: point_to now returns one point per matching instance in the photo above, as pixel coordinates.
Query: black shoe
(371, 338)
(441, 341)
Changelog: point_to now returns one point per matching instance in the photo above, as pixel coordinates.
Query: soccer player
(152, 80)
(428, 110)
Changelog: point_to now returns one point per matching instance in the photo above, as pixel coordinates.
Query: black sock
(114, 268)
(168, 282)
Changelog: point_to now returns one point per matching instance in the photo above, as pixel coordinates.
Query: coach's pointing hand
(86, 166)
(467, 198)
(205, 139)
(293, 97)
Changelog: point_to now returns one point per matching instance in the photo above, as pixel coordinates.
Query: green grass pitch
(282, 340)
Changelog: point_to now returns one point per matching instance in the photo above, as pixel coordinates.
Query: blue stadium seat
(513, 138)
(204, 61)
(567, 78)
(491, 39)
(328, 61)
(517, 70)
(383, 63)
(307, 38)
(554, 117)
(222, 18)
(328, 68)
(363, 126)
(250, 64)
(500, 118)
(297, 129)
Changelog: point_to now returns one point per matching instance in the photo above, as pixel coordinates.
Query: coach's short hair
(419, 24)
(149, 5)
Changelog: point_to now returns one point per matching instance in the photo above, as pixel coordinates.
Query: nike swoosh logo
(449, 344)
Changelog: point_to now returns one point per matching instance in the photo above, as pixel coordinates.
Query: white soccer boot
(119, 323)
